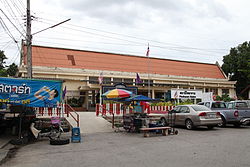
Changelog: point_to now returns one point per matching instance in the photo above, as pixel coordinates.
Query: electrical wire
(140, 38)
(12, 13)
(7, 30)
(180, 49)
(76, 40)
(12, 23)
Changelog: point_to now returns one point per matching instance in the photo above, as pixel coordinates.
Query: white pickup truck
(235, 112)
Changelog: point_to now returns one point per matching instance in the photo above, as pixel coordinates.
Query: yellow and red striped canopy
(117, 93)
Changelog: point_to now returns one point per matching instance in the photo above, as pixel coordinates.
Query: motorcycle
(53, 132)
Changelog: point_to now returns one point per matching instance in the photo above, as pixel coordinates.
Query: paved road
(228, 147)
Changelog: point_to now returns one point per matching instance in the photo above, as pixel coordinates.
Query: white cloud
(193, 30)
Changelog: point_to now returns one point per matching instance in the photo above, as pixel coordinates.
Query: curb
(7, 151)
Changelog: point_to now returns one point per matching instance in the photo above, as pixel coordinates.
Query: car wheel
(210, 127)
(189, 124)
(223, 123)
(163, 121)
(59, 141)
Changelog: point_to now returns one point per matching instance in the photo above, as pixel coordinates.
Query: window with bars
(93, 80)
(117, 80)
(106, 80)
(128, 81)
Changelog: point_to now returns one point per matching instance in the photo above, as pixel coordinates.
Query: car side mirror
(173, 111)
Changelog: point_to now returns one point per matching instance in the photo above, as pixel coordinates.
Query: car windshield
(200, 108)
(218, 105)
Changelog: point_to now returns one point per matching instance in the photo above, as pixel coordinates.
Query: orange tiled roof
(68, 58)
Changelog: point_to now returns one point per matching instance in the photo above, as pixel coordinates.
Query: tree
(2, 59)
(6, 70)
(12, 70)
(237, 66)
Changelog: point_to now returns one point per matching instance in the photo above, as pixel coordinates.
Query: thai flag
(147, 54)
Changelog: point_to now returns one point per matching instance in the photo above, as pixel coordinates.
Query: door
(183, 114)
(174, 117)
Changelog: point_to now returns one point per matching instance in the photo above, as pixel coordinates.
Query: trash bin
(76, 135)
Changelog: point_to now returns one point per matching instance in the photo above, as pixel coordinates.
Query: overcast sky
(190, 30)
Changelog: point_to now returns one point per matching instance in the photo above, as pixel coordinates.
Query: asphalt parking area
(200, 147)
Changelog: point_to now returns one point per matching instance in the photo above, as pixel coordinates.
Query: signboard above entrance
(186, 94)
(120, 86)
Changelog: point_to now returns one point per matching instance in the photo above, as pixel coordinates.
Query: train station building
(81, 71)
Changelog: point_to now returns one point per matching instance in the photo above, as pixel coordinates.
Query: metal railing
(70, 111)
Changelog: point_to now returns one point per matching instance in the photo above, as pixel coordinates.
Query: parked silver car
(191, 116)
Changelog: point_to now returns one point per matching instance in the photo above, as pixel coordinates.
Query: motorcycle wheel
(54, 134)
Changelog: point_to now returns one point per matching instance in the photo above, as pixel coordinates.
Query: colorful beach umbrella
(117, 93)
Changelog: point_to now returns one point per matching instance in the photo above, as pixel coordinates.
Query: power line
(108, 43)
(7, 30)
(12, 23)
(17, 7)
(172, 47)
(139, 38)
(12, 13)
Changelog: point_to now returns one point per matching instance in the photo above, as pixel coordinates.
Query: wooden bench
(147, 130)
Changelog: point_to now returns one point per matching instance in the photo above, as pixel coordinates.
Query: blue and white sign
(32, 93)
(186, 94)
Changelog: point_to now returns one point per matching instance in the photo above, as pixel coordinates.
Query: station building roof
(83, 59)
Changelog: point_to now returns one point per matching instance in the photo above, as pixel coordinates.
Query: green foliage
(169, 103)
(3, 73)
(2, 59)
(163, 104)
(225, 98)
(6, 71)
(237, 65)
(185, 102)
(12, 69)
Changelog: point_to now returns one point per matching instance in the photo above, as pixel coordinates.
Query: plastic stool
(76, 135)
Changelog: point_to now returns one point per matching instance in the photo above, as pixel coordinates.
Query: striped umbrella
(117, 93)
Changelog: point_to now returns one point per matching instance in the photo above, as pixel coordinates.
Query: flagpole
(100, 82)
(149, 94)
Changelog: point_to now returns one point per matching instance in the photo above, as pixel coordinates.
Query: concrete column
(93, 97)
(232, 93)
(219, 91)
(86, 100)
(153, 93)
(111, 79)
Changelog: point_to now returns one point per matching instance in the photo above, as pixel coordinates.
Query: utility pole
(29, 41)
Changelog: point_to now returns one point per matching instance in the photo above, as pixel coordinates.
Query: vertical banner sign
(32, 93)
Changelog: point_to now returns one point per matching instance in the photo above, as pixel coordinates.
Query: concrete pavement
(90, 123)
